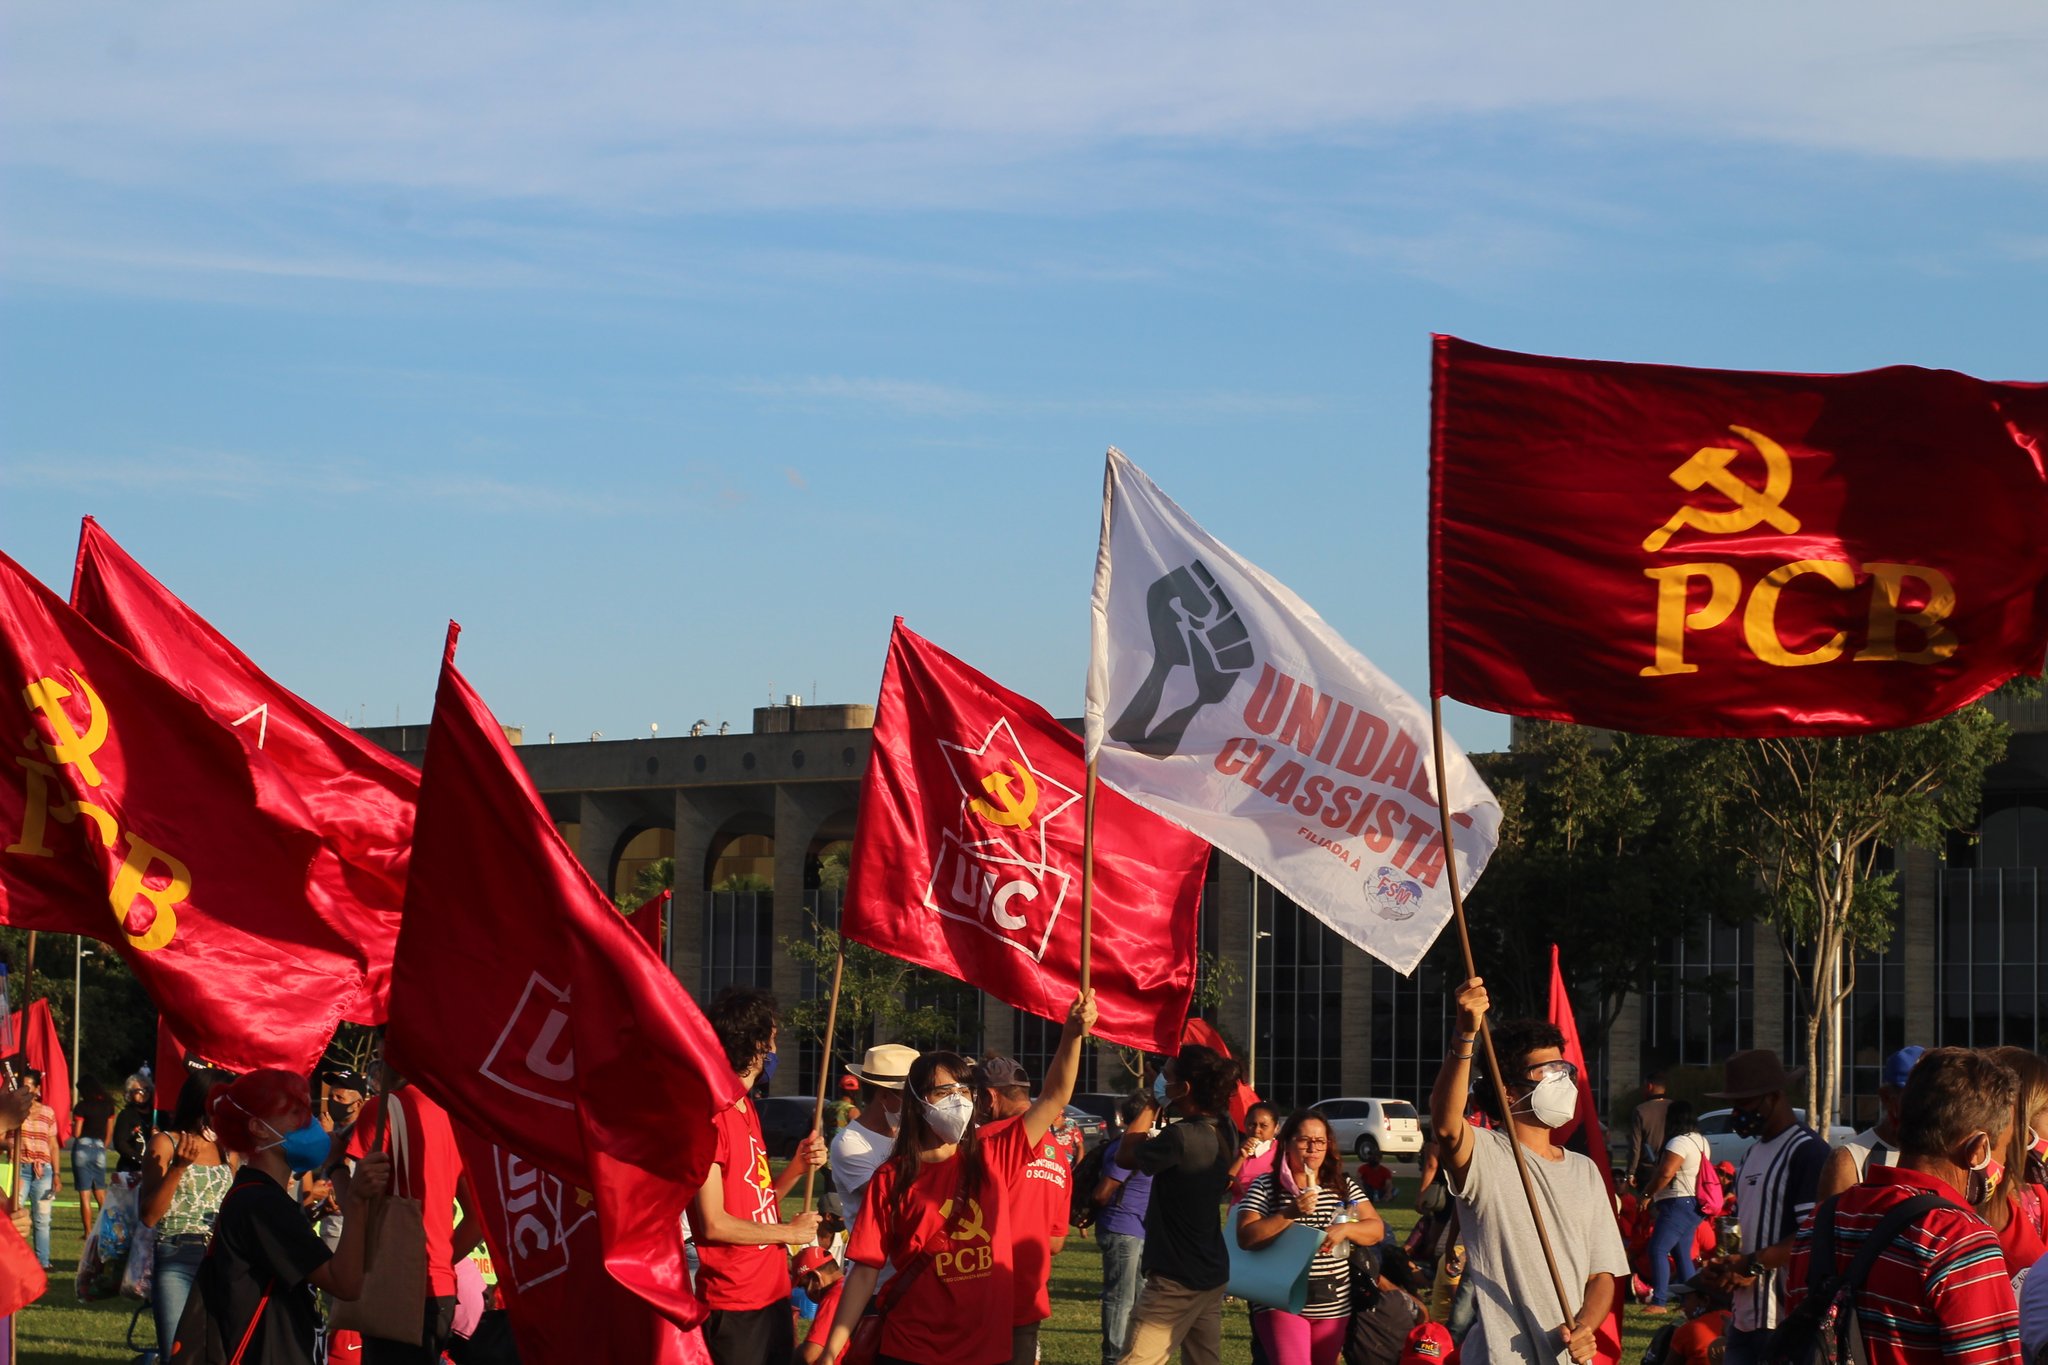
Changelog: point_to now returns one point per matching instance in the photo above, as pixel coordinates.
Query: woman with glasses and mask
(931, 1247)
(1518, 1316)
(1308, 1185)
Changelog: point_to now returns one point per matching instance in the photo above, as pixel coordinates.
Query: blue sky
(675, 352)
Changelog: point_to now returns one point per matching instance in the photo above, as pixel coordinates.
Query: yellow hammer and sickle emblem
(971, 1228)
(1708, 468)
(1012, 812)
(69, 746)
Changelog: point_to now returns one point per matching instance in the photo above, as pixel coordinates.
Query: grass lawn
(60, 1329)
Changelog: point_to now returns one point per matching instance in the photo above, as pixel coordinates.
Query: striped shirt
(1774, 1193)
(1939, 1293)
(39, 1136)
(1329, 1272)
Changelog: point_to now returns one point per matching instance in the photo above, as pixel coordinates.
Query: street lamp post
(1251, 1042)
(77, 982)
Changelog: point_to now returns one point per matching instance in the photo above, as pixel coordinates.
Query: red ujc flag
(129, 816)
(359, 796)
(1715, 552)
(1584, 1135)
(968, 859)
(525, 1005)
(543, 1237)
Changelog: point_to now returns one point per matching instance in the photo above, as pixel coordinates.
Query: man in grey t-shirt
(1519, 1317)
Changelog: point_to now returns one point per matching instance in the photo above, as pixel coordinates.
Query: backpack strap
(1874, 1246)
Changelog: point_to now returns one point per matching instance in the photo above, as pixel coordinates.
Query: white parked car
(1364, 1126)
(1716, 1127)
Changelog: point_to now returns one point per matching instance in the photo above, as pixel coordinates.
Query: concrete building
(754, 813)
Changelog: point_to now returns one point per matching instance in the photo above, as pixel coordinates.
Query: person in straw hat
(1775, 1188)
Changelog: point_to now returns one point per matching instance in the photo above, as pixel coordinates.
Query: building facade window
(1300, 1004)
(738, 939)
(1990, 937)
(1700, 1006)
(1410, 1031)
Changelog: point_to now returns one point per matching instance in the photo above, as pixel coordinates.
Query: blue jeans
(40, 1191)
(177, 1269)
(88, 1164)
(1120, 1282)
(1745, 1348)
(1671, 1238)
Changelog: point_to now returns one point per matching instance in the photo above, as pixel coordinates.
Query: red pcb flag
(360, 797)
(968, 859)
(1583, 1135)
(132, 818)
(524, 1004)
(1715, 552)
(543, 1236)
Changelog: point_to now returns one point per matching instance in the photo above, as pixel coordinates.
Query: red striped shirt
(1938, 1295)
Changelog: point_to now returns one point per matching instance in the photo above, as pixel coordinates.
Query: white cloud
(906, 105)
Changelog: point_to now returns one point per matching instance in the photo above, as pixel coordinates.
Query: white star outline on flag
(969, 776)
(998, 848)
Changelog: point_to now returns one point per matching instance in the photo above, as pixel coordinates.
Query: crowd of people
(945, 1187)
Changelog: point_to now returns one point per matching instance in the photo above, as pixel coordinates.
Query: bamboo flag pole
(1088, 875)
(1500, 1084)
(825, 1062)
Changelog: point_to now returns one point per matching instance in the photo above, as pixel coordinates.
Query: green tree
(872, 997)
(1607, 850)
(117, 1030)
(1809, 819)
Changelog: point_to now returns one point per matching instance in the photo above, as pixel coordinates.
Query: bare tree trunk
(1813, 1082)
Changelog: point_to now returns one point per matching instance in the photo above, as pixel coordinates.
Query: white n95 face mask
(949, 1117)
(1554, 1100)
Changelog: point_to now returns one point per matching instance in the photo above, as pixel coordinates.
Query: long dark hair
(914, 1135)
(1678, 1120)
(1329, 1175)
(190, 1115)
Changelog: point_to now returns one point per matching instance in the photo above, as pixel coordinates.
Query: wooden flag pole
(1500, 1084)
(1088, 875)
(825, 1062)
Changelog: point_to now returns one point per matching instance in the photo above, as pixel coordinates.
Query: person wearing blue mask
(735, 1218)
(254, 1296)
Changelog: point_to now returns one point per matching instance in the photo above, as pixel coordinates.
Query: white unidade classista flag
(1219, 699)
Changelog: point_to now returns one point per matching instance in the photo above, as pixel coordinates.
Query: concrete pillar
(605, 819)
(1354, 1031)
(1624, 1052)
(1232, 907)
(998, 1026)
(695, 824)
(1767, 994)
(1919, 889)
(799, 811)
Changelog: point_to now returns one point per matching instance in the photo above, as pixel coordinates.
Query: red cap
(811, 1258)
(1429, 1344)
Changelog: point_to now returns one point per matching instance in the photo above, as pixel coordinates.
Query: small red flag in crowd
(525, 1005)
(360, 798)
(650, 921)
(131, 817)
(44, 1051)
(969, 856)
(1584, 1135)
(1715, 552)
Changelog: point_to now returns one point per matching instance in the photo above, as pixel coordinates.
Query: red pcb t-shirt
(739, 1278)
(1040, 1200)
(958, 1249)
(432, 1166)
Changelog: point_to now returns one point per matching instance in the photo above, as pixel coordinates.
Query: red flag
(360, 798)
(969, 856)
(133, 818)
(22, 1280)
(543, 1236)
(523, 1003)
(1584, 1135)
(1203, 1032)
(650, 921)
(1713, 552)
(44, 1051)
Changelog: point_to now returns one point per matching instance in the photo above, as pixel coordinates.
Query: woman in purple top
(1121, 1196)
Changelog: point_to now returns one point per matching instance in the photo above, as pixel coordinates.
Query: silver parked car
(1717, 1127)
(1365, 1126)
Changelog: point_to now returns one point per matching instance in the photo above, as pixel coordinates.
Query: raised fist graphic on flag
(1195, 627)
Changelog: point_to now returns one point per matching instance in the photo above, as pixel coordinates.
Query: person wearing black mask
(1776, 1187)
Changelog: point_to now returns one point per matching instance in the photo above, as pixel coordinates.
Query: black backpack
(1817, 1331)
(1081, 1210)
